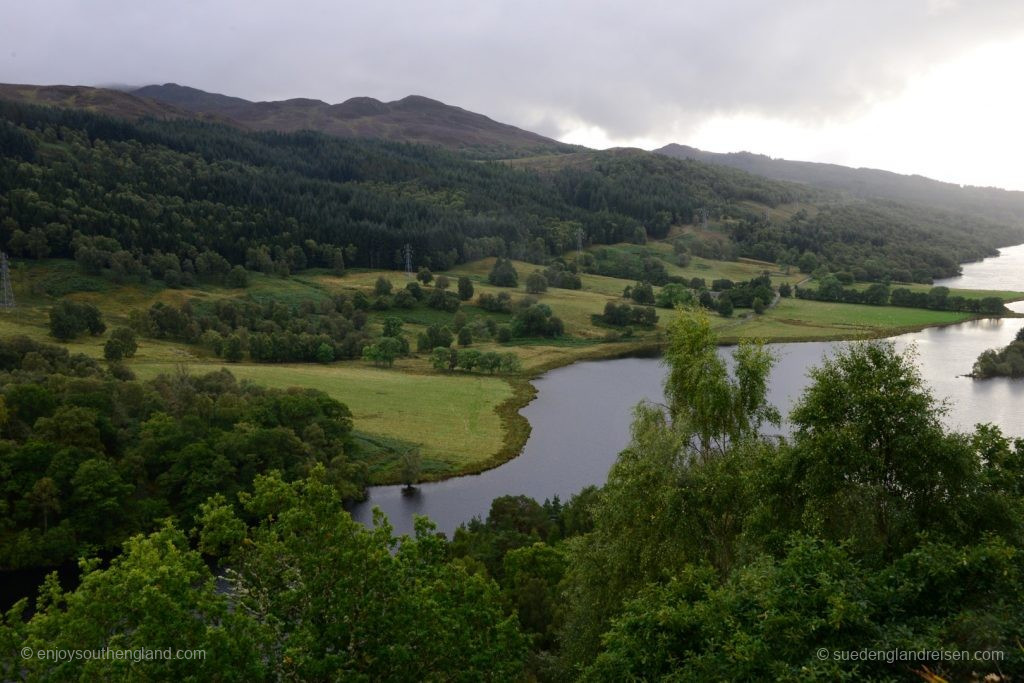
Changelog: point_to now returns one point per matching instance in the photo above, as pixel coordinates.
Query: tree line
(90, 456)
(1005, 362)
(883, 294)
(711, 553)
(186, 200)
(150, 198)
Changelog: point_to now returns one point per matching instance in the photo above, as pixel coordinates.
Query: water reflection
(581, 416)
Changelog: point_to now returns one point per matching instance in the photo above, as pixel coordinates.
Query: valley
(459, 422)
(390, 390)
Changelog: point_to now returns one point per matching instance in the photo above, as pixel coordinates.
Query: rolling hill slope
(98, 100)
(133, 194)
(410, 119)
(988, 202)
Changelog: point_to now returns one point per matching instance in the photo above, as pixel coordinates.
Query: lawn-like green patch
(451, 417)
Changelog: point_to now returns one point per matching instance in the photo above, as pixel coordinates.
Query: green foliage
(531, 578)
(503, 274)
(620, 315)
(435, 336)
(673, 295)
(382, 287)
(881, 239)
(238, 278)
(770, 620)
(122, 344)
(233, 350)
(872, 529)
(314, 200)
(412, 465)
(70, 319)
(564, 277)
(641, 293)
(89, 460)
(678, 493)
(356, 604)
(392, 327)
(325, 353)
(831, 288)
(718, 408)
(443, 358)
(630, 266)
(536, 320)
(384, 352)
(1005, 362)
(443, 300)
(465, 288)
(874, 458)
(724, 305)
(273, 331)
(158, 595)
(536, 283)
(500, 303)
(359, 604)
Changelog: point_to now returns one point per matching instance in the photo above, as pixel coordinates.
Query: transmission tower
(7, 293)
(703, 218)
(579, 243)
(407, 251)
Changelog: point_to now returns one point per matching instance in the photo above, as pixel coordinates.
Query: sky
(914, 86)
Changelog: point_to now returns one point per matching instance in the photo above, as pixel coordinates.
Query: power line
(7, 293)
(407, 251)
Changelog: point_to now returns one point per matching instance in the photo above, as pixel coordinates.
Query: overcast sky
(916, 86)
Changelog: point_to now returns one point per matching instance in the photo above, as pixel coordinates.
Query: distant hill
(410, 119)
(992, 203)
(97, 100)
(281, 201)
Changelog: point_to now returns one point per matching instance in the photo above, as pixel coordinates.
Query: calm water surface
(580, 418)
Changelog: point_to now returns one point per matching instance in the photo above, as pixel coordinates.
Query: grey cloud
(631, 68)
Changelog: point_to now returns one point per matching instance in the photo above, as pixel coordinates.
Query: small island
(1005, 362)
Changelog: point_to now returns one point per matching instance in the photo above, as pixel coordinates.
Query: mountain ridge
(413, 118)
(990, 202)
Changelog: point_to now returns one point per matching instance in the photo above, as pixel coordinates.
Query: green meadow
(460, 422)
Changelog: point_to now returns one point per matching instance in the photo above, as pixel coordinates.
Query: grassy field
(1005, 295)
(451, 418)
(800, 319)
(461, 423)
(739, 270)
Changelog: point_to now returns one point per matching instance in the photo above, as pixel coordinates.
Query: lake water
(1003, 272)
(581, 416)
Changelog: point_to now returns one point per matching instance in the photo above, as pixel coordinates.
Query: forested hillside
(142, 198)
(90, 457)
(989, 202)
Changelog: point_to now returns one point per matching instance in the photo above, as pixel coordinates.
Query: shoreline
(517, 428)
